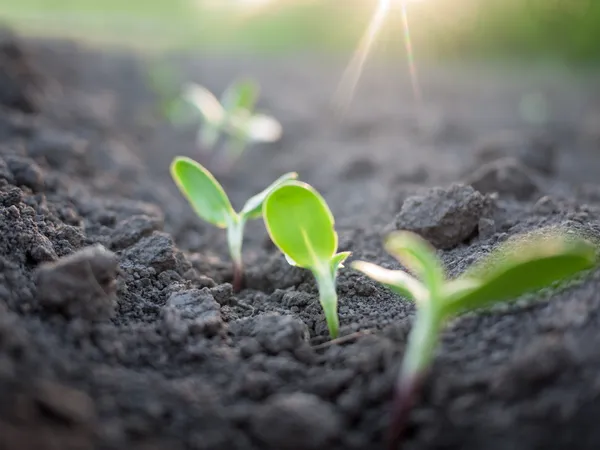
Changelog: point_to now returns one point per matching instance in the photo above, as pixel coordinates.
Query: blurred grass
(450, 29)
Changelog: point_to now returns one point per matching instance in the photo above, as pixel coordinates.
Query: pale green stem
(419, 353)
(422, 341)
(328, 298)
(235, 237)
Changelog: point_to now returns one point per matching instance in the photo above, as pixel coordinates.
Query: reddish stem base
(238, 277)
(405, 395)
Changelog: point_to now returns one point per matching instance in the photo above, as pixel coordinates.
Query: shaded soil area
(119, 328)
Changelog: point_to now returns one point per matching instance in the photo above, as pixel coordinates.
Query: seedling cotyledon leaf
(519, 266)
(301, 225)
(209, 201)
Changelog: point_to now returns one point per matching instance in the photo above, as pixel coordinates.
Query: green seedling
(208, 199)
(301, 225)
(234, 116)
(519, 266)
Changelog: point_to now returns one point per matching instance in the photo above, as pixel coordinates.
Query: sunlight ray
(351, 76)
(353, 71)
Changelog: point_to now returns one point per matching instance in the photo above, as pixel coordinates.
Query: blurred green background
(560, 30)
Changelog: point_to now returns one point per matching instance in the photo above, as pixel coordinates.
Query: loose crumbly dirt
(119, 328)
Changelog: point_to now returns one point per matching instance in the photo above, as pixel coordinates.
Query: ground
(118, 325)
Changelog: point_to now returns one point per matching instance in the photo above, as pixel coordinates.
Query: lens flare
(353, 72)
(355, 68)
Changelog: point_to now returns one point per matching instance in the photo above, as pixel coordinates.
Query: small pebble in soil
(156, 251)
(546, 205)
(445, 217)
(296, 421)
(507, 177)
(63, 403)
(80, 285)
(41, 249)
(131, 230)
(26, 172)
(275, 333)
(199, 308)
(199, 280)
(193, 303)
(222, 293)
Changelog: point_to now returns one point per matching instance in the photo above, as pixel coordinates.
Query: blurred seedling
(208, 199)
(522, 265)
(301, 225)
(232, 116)
(163, 80)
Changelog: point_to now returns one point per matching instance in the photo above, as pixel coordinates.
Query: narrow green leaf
(338, 261)
(396, 280)
(521, 267)
(203, 192)
(241, 95)
(418, 256)
(300, 224)
(253, 207)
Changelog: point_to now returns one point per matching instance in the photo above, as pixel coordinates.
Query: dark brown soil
(119, 330)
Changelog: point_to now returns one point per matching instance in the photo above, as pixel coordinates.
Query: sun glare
(353, 72)
(351, 76)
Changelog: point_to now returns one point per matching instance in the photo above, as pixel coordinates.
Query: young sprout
(209, 201)
(233, 115)
(301, 225)
(519, 266)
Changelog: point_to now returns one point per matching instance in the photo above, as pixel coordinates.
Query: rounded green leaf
(203, 191)
(300, 223)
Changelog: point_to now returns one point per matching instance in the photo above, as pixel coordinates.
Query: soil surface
(119, 328)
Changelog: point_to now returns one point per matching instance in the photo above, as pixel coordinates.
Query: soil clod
(149, 347)
(507, 177)
(445, 217)
(157, 251)
(296, 422)
(80, 285)
(538, 153)
(275, 333)
(129, 231)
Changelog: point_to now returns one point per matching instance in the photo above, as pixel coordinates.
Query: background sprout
(209, 201)
(519, 266)
(233, 115)
(301, 225)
